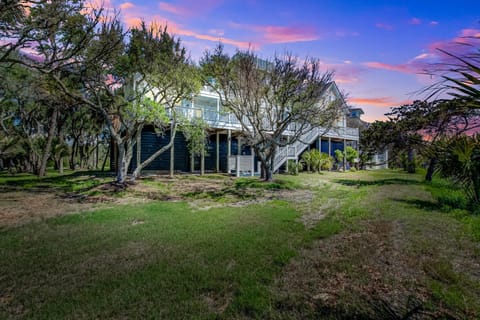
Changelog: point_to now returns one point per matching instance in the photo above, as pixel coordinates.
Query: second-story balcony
(206, 106)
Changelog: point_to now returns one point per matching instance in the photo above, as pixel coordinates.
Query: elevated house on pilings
(226, 151)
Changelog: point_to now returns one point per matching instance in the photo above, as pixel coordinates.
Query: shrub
(460, 160)
(294, 167)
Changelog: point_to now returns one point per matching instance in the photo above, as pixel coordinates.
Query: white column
(253, 164)
(329, 146)
(386, 159)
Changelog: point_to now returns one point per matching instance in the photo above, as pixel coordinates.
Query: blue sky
(376, 48)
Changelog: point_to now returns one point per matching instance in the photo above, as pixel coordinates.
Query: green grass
(159, 260)
(356, 237)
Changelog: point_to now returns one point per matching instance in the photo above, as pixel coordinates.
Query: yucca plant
(326, 162)
(460, 161)
(307, 159)
(316, 156)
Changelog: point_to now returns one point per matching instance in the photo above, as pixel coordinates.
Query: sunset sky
(377, 48)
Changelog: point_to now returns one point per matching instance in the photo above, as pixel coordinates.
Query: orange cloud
(381, 102)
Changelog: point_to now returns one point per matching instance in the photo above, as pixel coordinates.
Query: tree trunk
(72, 155)
(97, 153)
(268, 174)
(121, 164)
(107, 153)
(269, 164)
(202, 162)
(145, 163)
(60, 165)
(431, 169)
(411, 160)
(48, 145)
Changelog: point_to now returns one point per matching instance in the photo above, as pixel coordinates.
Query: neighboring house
(226, 151)
(380, 159)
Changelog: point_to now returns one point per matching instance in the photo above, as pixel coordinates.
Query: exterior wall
(206, 106)
(151, 142)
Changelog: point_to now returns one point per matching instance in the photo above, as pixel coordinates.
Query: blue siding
(152, 141)
(336, 145)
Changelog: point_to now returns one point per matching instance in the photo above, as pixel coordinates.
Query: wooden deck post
(229, 144)
(202, 162)
(172, 160)
(192, 162)
(217, 163)
(239, 150)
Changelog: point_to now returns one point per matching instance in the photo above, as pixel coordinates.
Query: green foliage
(294, 167)
(316, 160)
(339, 155)
(460, 161)
(350, 154)
(195, 132)
(307, 159)
(146, 110)
(463, 77)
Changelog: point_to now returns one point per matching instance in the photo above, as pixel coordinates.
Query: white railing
(242, 164)
(294, 150)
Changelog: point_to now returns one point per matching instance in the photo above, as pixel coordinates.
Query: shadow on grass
(381, 182)
(421, 204)
(80, 181)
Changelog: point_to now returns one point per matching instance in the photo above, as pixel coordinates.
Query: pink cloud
(268, 34)
(165, 6)
(433, 23)
(381, 102)
(189, 7)
(404, 68)
(281, 34)
(384, 26)
(107, 4)
(126, 5)
(432, 59)
(415, 21)
(133, 16)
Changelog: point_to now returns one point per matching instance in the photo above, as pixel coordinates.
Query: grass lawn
(337, 245)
